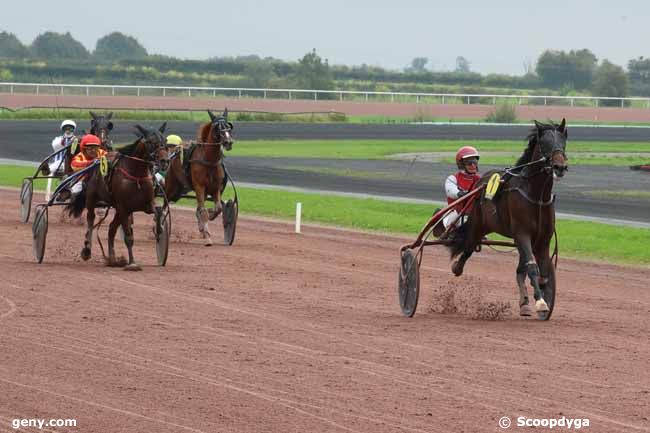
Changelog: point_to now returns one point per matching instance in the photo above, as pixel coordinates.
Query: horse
(207, 175)
(522, 209)
(127, 186)
(101, 126)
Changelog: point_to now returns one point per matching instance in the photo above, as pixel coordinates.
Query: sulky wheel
(163, 231)
(26, 193)
(39, 230)
(548, 290)
(408, 287)
(230, 214)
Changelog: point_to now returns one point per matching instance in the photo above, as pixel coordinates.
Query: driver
(67, 128)
(90, 150)
(461, 182)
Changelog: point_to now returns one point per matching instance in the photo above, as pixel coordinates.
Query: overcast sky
(495, 36)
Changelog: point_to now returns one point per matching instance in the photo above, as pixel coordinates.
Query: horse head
(152, 145)
(101, 126)
(221, 129)
(551, 140)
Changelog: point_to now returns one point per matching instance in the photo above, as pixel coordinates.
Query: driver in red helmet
(461, 182)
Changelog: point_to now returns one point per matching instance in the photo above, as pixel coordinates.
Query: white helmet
(68, 123)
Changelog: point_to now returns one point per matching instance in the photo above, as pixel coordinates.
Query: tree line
(118, 57)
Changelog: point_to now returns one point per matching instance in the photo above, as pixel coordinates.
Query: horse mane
(129, 149)
(204, 133)
(534, 132)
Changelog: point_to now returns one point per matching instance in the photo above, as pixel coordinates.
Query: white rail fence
(316, 95)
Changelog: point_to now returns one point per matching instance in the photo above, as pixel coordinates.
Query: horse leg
(128, 240)
(112, 231)
(202, 215)
(524, 306)
(470, 237)
(86, 252)
(532, 270)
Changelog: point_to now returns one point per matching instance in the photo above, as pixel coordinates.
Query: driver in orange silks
(89, 150)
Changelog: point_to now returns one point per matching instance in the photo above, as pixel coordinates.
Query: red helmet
(89, 140)
(466, 152)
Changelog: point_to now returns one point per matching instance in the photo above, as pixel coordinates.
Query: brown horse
(523, 209)
(101, 126)
(128, 187)
(206, 175)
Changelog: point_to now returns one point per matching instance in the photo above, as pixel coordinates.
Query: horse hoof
(85, 253)
(208, 242)
(525, 310)
(540, 306)
(132, 267)
(457, 269)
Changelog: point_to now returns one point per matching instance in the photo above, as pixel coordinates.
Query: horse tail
(77, 205)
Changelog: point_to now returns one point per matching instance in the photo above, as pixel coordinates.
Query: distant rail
(316, 95)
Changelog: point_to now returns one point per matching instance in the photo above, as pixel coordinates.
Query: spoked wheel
(39, 230)
(26, 193)
(163, 231)
(230, 213)
(408, 287)
(548, 291)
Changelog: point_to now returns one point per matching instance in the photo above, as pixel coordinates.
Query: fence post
(392, 97)
(113, 91)
(189, 92)
(11, 89)
(164, 92)
(366, 97)
(37, 89)
(544, 100)
(61, 90)
(289, 96)
(239, 93)
(596, 102)
(417, 99)
(138, 91)
(519, 101)
(494, 100)
(443, 99)
(87, 90)
(340, 96)
(572, 102)
(467, 99)
(265, 94)
(315, 97)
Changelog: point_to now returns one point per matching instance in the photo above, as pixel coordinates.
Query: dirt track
(358, 108)
(288, 333)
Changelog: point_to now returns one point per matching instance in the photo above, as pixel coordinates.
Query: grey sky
(495, 36)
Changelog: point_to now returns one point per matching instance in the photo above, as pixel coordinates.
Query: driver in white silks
(461, 182)
(57, 163)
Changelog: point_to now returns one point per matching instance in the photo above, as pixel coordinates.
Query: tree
(314, 73)
(610, 80)
(462, 65)
(118, 46)
(259, 73)
(573, 69)
(51, 45)
(639, 76)
(418, 64)
(11, 47)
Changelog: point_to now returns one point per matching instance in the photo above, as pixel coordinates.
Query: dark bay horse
(206, 175)
(127, 186)
(101, 126)
(522, 209)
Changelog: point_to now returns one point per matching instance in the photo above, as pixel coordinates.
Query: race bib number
(73, 146)
(492, 186)
(103, 166)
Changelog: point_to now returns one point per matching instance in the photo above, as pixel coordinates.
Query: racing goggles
(470, 161)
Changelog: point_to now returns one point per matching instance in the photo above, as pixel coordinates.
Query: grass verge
(578, 239)
(580, 152)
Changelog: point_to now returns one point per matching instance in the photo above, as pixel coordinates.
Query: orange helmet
(89, 140)
(466, 152)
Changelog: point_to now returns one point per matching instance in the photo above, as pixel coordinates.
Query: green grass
(578, 239)
(644, 195)
(579, 152)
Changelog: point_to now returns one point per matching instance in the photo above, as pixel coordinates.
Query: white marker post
(298, 216)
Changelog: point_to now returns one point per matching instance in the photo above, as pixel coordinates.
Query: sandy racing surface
(302, 333)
